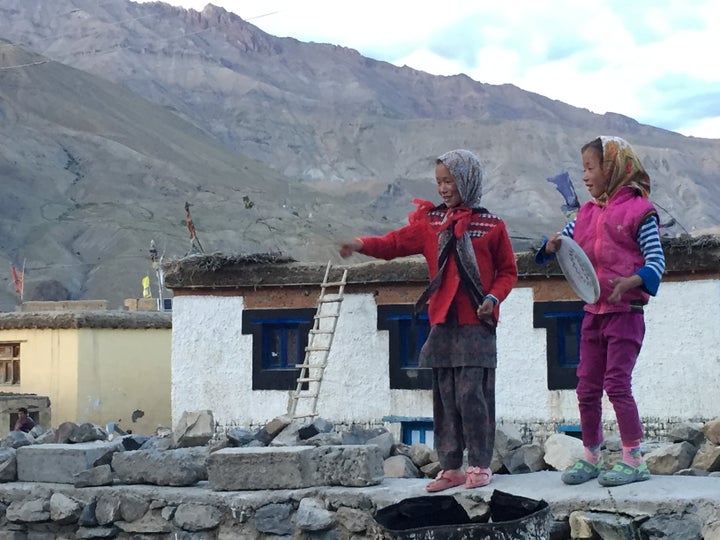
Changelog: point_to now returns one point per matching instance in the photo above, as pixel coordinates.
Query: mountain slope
(90, 173)
(323, 113)
(341, 143)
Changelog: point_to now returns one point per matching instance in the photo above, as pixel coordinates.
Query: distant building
(240, 325)
(94, 366)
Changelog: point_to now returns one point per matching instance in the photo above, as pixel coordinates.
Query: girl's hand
(486, 309)
(553, 243)
(621, 285)
(348, 248)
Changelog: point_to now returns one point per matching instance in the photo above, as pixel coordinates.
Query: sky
(652, 60)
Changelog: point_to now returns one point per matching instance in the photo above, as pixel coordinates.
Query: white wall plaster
(675, 378)
(678, 370)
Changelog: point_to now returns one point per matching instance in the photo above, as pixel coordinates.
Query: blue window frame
(411, 337)
(568, 337)
(414, 429)
(563, 321)
(418, 432)
(279, 340)
(282, 343)
(407, 336)
(572, 430)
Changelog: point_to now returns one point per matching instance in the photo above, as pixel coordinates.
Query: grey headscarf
(468, 173)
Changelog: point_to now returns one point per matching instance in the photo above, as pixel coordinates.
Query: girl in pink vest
(619, 231)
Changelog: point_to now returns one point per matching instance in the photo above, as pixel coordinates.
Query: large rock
(507, 439)
(16, 439)
(562, 451)
(29, 510)
(58, 462)
(64, 509)
(197, 517)
(687, 431)
(8, 465)
(97, 476)
(687, 527)
(671, 459)
(179, 467)
(87, 432)
(272, 429)
(711, 430)
(525, 459)
(400, 467)
(194, 429)
(707, 458)
(294, 467)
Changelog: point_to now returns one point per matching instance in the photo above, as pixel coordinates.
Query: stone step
(294, 467)
(59, 463)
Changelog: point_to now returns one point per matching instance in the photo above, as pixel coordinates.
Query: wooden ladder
(320, 340)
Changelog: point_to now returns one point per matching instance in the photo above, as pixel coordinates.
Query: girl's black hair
(596, 145)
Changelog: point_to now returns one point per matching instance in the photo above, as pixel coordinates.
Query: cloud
(651, 60)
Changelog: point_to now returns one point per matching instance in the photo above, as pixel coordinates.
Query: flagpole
(156, 265)
(22, 281)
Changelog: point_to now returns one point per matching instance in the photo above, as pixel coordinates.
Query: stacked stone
(81, 481)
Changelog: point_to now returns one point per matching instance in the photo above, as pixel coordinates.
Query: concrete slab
(294, 467)
(58, 463)
(698, 496)
(678, 496)
(264, 467)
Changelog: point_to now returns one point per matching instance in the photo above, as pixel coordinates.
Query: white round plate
(578, 270)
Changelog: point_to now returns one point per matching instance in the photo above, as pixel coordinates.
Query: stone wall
(307, 481)
(32, 510)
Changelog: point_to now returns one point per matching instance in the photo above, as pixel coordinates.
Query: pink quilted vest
(609, 237)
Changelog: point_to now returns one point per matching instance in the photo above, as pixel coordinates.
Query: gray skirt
(450, 345)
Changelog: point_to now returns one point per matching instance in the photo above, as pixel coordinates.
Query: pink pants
(609, 347)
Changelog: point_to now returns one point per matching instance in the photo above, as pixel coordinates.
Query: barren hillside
(320, 141)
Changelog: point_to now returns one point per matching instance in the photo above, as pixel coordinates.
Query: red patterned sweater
(491, 244)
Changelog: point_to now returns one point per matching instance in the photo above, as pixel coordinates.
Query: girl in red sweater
(472, 269)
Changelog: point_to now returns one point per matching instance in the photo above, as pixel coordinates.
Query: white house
(240, 325)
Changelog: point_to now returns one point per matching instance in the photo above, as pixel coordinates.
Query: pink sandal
(477, 477)
(445, 480)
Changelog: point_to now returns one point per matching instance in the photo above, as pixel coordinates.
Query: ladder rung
(328, 329)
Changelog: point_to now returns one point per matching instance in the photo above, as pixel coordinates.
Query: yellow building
(95, 366)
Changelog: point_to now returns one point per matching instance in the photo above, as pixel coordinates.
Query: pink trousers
(609, 347)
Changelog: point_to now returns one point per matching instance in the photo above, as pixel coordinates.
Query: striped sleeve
(569, 229)
(649, 240)
(542, 256)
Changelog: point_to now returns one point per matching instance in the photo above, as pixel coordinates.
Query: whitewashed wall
(675, 379)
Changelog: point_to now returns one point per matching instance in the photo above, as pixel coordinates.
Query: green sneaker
(622, 474)
(582, 471)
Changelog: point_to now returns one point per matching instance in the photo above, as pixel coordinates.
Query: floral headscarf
(468, 174)
(624, 166)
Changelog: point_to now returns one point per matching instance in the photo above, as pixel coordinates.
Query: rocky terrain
(114, 114)
(292, 477)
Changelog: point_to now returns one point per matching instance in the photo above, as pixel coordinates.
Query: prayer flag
(146, 287)
(564, 186)
(18, 276)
